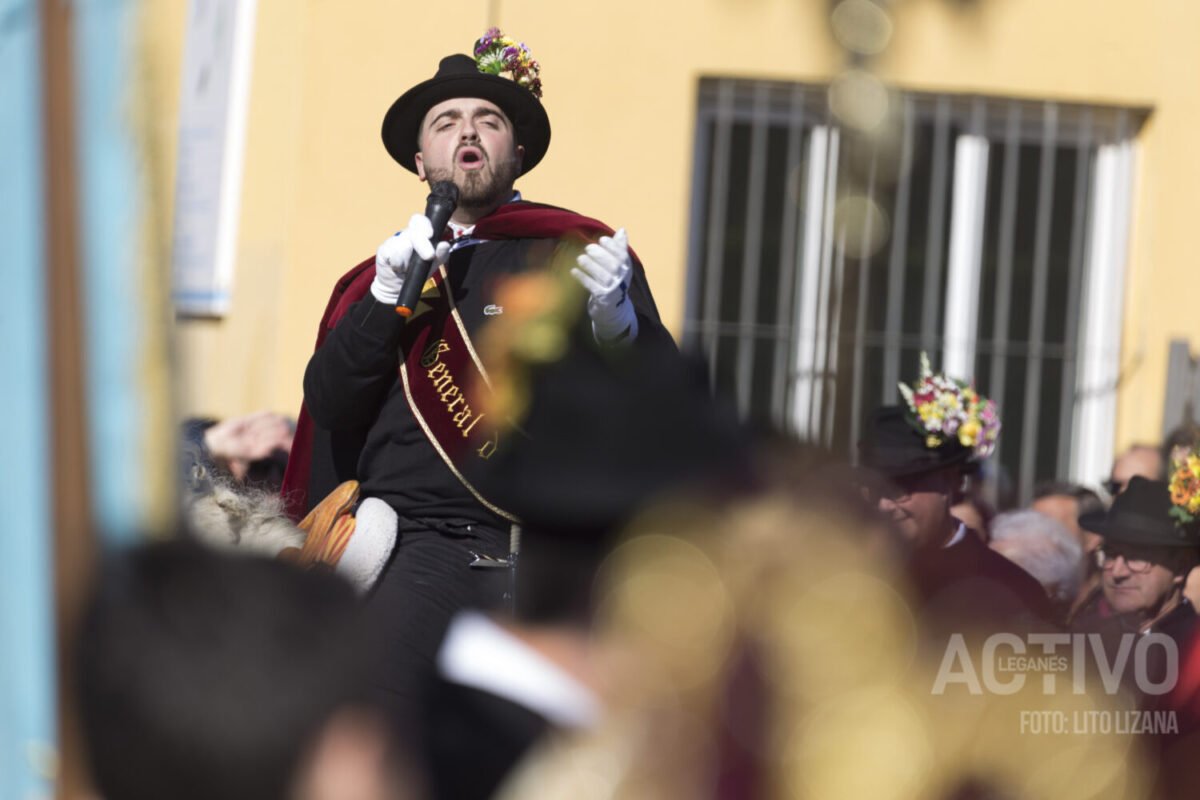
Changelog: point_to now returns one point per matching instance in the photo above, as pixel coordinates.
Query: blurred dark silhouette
(204, 676)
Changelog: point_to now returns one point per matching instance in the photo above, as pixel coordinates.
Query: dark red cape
(519, 220)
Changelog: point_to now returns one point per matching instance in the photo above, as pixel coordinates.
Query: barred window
(998, 245)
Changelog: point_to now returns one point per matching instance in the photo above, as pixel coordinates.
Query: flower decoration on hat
(1185, 485)
(496, 54)
(944, 408)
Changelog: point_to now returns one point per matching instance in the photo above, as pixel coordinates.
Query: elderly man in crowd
(1045, 549)
(1147, 555)
(959, 582)
(1066, 503)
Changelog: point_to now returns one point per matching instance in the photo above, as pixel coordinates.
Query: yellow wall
(620, 80)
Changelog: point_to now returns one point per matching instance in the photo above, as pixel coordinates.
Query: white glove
(392, 257)
(604, 270)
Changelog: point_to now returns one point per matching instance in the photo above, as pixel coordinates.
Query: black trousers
(428, 580)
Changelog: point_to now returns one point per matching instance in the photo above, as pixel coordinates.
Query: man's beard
(481, 188)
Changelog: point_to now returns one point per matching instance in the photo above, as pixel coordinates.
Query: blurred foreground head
(203, 675)
(604, 434)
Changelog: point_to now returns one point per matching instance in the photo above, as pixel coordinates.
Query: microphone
(442, 200)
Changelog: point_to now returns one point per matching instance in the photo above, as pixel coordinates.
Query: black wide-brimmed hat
(892, 446)
(608, 432)
(1142, 515)
(459, 76)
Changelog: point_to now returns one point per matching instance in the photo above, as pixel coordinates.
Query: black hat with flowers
(583, 463)
(480, 76)
(1143, 514)
(891, 446)
(943, 423)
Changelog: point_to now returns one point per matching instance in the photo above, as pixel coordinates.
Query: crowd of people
(520, 551)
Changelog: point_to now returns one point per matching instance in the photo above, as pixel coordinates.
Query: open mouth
(470, 158)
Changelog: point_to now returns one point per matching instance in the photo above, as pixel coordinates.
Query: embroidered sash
(441, 372)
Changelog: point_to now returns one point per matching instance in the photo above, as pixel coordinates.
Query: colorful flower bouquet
(495, 53)
(942, 407)
(1185, 485)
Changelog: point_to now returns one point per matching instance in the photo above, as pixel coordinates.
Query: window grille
(999, 247)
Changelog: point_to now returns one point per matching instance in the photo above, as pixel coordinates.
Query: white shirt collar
(479, 653)
(958, 535)
(459, 231)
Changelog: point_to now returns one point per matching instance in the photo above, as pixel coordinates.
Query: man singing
(390, 402)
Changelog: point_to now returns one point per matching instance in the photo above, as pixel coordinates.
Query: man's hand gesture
(604, 270)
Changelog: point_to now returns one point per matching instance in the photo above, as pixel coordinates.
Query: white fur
(241, 519)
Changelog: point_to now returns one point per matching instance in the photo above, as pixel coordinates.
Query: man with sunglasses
(1146, 558)
(960, 584)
